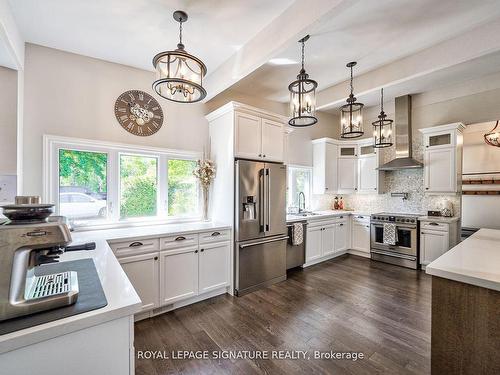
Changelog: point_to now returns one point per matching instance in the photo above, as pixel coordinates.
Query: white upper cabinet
(324, 167)
(347, 175)
(273, 140)
(248, 135)
(443, 158)
(369, 177)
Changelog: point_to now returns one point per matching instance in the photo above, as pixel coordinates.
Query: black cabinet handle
(202, 250)
(433, 223)
(361, 217)
(341, 224)
(196, 251)
(215, 234)
(264, 155)
(180, 238)
(155, 258)
(135, 244)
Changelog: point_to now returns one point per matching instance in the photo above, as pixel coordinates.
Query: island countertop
(475, 261)
(120, 294)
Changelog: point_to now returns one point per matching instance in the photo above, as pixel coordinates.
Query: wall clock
(138, 113)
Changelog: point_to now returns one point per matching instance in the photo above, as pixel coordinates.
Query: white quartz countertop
(439, 219)
(475, 261)
(120, 294)
(325, 214)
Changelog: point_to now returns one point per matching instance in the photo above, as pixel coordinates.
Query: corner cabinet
(443, 158)
(346, 168)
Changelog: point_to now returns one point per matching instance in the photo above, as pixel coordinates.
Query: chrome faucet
(301, 194)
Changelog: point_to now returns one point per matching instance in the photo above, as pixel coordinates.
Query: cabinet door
(347, 174)
(248, 137)
(178, 274)
(439, 170)
(368, 174)
(340, 237)
(143, 273)
(433, 244)
(328, 239)
(273, 140)
(313, 243)
(360, 238)
(331, 168)
(214, 266)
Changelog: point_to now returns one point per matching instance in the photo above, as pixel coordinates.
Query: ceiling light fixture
(179, 74)
(382, 128)
(351, 114)
(303, 97)
(493, 136)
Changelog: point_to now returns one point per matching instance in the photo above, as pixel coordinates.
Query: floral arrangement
(205, 172)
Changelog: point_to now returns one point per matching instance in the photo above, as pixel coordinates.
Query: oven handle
(408, 257)
(397, 226)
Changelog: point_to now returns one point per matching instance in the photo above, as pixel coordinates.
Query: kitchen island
(466, 307)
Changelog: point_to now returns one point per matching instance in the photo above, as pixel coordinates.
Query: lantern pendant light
(351, 114)
(493, 136)
(179, 74)
(303, 97)
(382, 128)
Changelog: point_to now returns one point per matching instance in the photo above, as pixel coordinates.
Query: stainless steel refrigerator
(260, 225)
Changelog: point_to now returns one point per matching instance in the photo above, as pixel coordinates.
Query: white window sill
(142, 222)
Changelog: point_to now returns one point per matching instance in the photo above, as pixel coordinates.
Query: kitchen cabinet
(179, 274)
(347, 175)
(360, 234)
(443, 158)
(436, 238)
(328, 240)
(313, 243)
(143, 273)
(324, 167)
(258, 137)
(213, 266)
(341, 230)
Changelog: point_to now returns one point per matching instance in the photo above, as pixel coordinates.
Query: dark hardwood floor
(348, 304)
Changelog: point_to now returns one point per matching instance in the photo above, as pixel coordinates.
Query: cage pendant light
(493, 136)
(351, 114)
(382, 128)
(303, 97)
(179, 75)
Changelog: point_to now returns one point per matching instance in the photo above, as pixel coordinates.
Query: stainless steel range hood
(404, 159)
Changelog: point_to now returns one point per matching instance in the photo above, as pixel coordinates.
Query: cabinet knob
(202, 250)
(355, 188)
(426, 188)
(196, 251)
(260, 155)
(155, 258)
(341, 224)
(264, 155)
(326, 188)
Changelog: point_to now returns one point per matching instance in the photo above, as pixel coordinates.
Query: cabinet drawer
(135, 247)
(433, 225)
(178, 241)
(215, 236)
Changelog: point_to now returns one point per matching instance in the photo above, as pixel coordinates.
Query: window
(299, 181)
(183, 196)
(97, 183)
(138, 186)
(82, 185)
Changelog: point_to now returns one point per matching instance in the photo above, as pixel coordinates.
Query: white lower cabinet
(328, 240)
(340, 237)
(179, 274)
(433, 244)
(143, 273)
(213, 266)
(313, 243)
(360, 235)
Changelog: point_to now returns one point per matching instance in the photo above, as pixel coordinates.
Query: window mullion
(163, 186)
(113, 185)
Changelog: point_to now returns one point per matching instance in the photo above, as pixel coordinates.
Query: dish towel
(297, 234)
(390, 234)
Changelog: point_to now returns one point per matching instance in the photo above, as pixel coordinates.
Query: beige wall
(72, 95)
(8, 120)
(299, 144)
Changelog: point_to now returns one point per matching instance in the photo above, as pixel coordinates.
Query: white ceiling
(131, 32)
(373, 33)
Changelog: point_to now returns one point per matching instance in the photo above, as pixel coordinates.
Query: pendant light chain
(382, 101)
(180, 32)
(352, 87)
(303, 46)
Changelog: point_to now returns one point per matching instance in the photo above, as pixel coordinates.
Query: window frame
(50, 176)
(288, 181)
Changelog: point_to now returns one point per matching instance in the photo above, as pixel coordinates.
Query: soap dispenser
(336, 203)
(341, 204)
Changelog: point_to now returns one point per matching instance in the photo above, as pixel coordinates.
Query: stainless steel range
(405, 251)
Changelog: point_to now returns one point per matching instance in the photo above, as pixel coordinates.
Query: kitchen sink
(305, 214)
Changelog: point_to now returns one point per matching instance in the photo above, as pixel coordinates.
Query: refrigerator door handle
(263, 242)
(268, 219)
(262, 186)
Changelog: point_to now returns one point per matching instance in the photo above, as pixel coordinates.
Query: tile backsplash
(409, 181)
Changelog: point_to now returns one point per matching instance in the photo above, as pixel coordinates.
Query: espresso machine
(24, 248)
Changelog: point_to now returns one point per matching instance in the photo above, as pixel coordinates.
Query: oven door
(407, 239)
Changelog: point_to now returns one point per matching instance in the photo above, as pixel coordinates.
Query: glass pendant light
(351, 114)
(303, 97)
(382, 128)
(493, 137)
(179, 74)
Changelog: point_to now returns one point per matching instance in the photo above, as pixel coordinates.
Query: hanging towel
(390, 234)
(297, 234)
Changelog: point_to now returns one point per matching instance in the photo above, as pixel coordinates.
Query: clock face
(138, 113)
